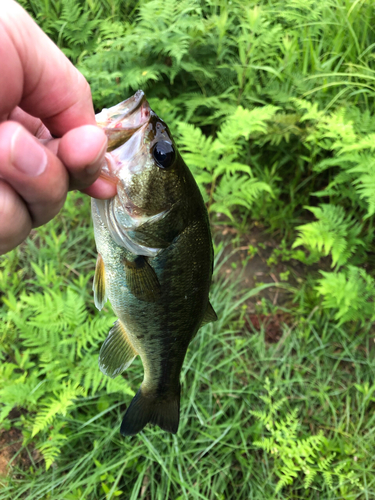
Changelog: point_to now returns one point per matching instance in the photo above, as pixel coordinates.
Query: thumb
(33, 172)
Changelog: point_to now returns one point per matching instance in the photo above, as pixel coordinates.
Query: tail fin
(144, 409)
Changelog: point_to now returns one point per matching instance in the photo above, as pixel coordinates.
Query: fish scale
(155, 261)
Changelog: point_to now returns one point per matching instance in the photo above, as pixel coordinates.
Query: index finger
(37, 76)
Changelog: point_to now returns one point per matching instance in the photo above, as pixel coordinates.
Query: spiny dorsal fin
(100, 296)
(209, 315)
(117, 353)
(142, 280)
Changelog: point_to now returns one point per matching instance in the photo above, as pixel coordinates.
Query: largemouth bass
(155, 260)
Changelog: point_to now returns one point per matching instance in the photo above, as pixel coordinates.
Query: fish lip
(136, 102)
(120, 122)
(111, 117)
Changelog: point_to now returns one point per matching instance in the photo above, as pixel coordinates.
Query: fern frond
(328, 478)
(53, 407)
(267, 444)
(237, 190)
(364, 179)
(326, 463)
(260, 415)
(284, 481)
(51, 448)
(334, 233)
(310, 475)
(351, 293)
(291, 455)
(241, 124)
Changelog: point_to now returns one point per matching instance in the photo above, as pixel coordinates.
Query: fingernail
(27, 155)
(96, 165)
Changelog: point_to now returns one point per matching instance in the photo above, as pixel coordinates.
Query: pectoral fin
(142, 280)
(117, 353)
(100, 296)
(209, 315)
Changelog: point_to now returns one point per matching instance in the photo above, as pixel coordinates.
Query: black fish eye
(164, 154)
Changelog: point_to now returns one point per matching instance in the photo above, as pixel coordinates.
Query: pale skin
(49, 143)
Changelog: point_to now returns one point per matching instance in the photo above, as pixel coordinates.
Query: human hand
(49, 142)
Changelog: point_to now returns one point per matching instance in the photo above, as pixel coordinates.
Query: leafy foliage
(350, 292)
(214, 162)
(293, 455)
(333, 234)
(57, 362)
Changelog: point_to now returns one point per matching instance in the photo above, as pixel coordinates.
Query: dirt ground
(12, 455)
(10, 444)
(250, 269)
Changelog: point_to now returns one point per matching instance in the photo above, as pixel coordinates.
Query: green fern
(236, 190)
(350, 293)
(50, 450)
(72, 25)
(56, 406)
(310, 475)
(334, 233)
(215, 162)
(364, 179)
(57, 363)
(51, 447)
(291, 454)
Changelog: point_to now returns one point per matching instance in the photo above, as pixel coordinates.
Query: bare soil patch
(271, 323)
(12, 453)
(10, 444)
(251, 269)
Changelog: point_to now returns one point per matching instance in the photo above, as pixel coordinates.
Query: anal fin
(209, 315)
(98, 286)
(142, 280)
(116, 353)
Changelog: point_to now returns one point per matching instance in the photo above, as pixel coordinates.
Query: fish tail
(164, 412)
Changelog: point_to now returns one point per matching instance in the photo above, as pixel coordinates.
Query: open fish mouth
(133, 129)
(121, 121)
(124, 126)
(120, 124)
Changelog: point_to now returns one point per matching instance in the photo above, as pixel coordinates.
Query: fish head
(142, 158)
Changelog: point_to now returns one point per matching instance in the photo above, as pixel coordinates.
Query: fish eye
(164, 154)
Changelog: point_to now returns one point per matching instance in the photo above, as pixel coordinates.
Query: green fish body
(155, 260)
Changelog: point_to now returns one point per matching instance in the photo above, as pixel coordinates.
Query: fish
(155, 260)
